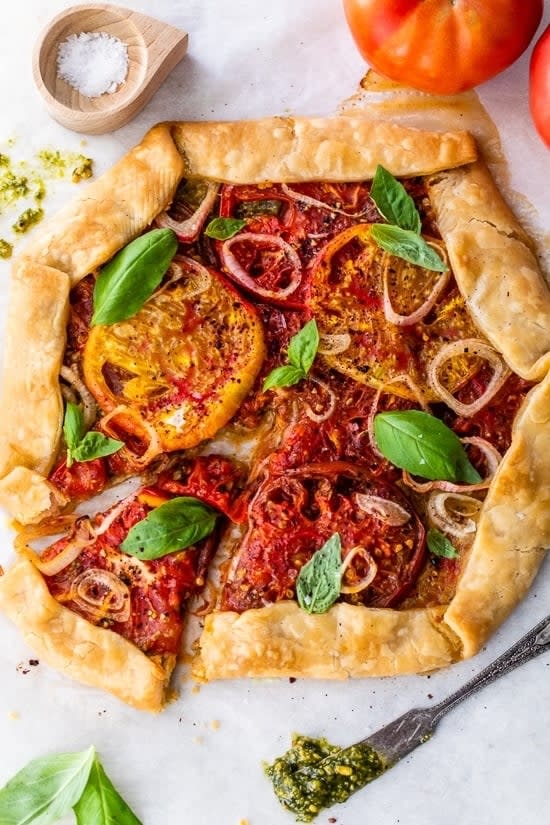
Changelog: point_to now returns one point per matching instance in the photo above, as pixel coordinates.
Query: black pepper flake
(292, 679)
(34, 662)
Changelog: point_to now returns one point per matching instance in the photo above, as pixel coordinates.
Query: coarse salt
(93, 62)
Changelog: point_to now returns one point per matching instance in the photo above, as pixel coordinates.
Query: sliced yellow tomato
(181, 366)
(347, 296)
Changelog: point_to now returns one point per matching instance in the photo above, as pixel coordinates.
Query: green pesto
(84, 169)
(251, 209)
(12, 187)
(53, 162)
(6, 249)
(40, 190)
(4, 160)
(27, 219)
(305, 786)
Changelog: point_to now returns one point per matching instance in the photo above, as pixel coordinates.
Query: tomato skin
(539, 86)
(440, 46)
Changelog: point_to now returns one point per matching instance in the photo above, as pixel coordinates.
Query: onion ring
(383, 509)
(241, 276)
(188, 230)
(347, 589)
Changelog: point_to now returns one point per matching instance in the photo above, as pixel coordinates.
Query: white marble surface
(488, 761)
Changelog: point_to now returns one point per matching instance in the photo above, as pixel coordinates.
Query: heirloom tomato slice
(178, 370)
(293, 515)
(347, 296)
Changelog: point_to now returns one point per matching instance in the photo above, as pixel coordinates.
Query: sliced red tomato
(177, 371)
(140, 600)
(539, 86)
(347, 296)
(293, 515)
(81, 480)
(214, 479)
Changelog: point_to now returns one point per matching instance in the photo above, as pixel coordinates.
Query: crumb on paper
(244, 822)
(215, 724)
(197, 740)
(196, 689)
(14, 715)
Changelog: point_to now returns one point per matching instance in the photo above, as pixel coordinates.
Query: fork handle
(535, 642)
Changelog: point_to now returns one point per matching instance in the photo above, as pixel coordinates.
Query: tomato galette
(316, 353)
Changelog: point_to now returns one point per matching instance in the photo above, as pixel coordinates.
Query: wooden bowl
(154, 49)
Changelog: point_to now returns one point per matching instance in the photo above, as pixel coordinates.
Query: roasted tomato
(292, 516)
(177, 371)
(81, 480)
(140, 600)
(352, 282)
(442, 46)
(286, 225)
(539, 86)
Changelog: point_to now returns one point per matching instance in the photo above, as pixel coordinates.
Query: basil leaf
(393, 202)
(73, 425)
(422, 444)
(319, 581)
(178, 524)
(101, 804)
(223, 228)
(132, 276)
(303, 346)
(285, 376)
(46, 789)
(407, 245)
(439, 545)
(95, 445)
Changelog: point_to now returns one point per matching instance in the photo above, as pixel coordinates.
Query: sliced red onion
(490, 453)
(83, 538)
(334, 344)
(460, 524)
(241, 276)
(324, 416)
(471, 346)
(188, 230)
(153, 447)
(445, 486)
(366, 580)
(89, 408)
(180, 267)
(114, 514)
(309, 201)
(414, 317)
(390, 512)
(113, 604)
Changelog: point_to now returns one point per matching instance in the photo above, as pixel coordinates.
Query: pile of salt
(93, 62)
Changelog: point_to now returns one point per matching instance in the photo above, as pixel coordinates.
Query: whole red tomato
(539, 86)
(442, 46)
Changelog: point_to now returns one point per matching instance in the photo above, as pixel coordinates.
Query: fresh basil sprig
(82, 446)
(407, 245)
(319, 581)
(401, 235)
(302, 350)
(101, 803)
(175, 525)
(131, 277)
(394, 202)
(46, 789)
(223, 228)
(439, 545)
(422, 444)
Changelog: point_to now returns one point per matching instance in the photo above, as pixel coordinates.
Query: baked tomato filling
(141, 600)
(394, 336)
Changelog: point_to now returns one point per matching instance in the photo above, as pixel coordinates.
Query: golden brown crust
(32, 407)
(287, 149)
(513, 534)
(112, 210)
(494, 266)
(283, 640)
(90, 654)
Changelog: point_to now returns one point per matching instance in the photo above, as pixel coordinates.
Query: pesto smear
(305, 787)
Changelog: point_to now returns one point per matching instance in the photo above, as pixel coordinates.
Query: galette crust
(287, 149)
(495, 268)
(282, 640)
(90, 654)
(486, 246)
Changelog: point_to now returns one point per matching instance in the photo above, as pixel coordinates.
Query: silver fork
(407, 732)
